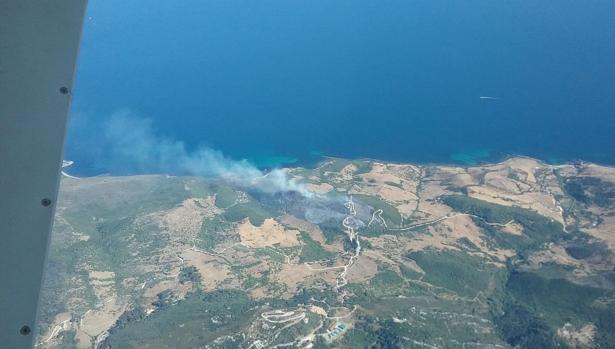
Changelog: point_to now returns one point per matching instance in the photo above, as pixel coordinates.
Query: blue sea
(287, 81)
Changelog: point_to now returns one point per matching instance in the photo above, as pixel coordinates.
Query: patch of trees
(189, 274)
(519, 327)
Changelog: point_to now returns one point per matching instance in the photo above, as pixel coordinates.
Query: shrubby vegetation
(408, 273)
(389, 212)
(521, 328)
(225, 196)
(537, 229)
(312, 251)
(253, 210)
(320, 343)
(457, 271)
(332, 230)
(372, 333)
(189, 274)
(534, 306)
(558, 299)
(127, 317)
(203, 316)
(387, 279)
(591, 190)
(457, 288)
(213, 232)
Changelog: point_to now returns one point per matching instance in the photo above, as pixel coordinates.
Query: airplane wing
(39, 41)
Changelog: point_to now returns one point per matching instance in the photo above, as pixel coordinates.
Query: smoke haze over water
(128, 144)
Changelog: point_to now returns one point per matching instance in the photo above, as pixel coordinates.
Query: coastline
(299, 164)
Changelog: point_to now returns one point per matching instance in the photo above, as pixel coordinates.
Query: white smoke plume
(128, 144)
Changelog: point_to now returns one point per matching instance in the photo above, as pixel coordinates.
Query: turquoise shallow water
(283, 82)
